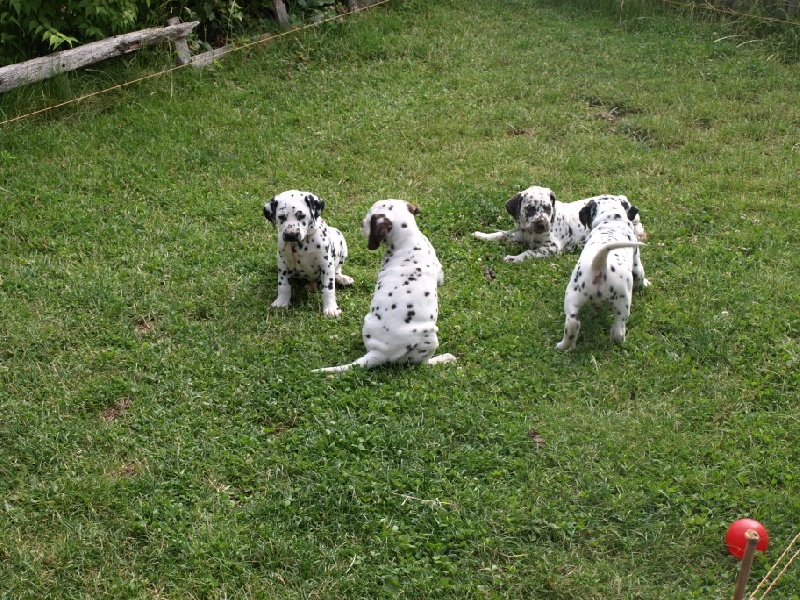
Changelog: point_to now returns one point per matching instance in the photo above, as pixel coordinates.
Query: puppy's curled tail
(600, 260)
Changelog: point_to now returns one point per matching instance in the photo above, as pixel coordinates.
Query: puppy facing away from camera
(608, 269)
(400, 327)
(308, 249)
(546, 226)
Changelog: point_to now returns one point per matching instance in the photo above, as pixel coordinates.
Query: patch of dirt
(145, 325)
(112, 413)
(536, 438)
(125, 471)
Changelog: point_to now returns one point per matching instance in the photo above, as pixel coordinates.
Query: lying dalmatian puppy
(400, 327)
(608, 269)
(307, 248)
(546, 225)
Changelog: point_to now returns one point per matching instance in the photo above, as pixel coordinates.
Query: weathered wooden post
(280, 11)
(181, 45)
(751, 535)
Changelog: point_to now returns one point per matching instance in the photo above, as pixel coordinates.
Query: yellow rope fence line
(779, 575)
(175, 68)
(704, 6)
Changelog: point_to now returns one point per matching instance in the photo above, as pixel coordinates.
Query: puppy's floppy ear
(315, 205)
(632, 212)
(379, 226)
(513, 206)
(586, 215)
(413, 209)
(269, 210)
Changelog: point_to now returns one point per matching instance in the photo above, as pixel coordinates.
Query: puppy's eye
(300, 216)
(548, 209)
(282, 218)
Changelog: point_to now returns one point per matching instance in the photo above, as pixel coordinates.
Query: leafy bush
(32, 27)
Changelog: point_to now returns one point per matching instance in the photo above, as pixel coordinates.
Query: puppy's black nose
(539, 227)
(290, 236)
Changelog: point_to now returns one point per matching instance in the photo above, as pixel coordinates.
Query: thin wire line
(220, 53)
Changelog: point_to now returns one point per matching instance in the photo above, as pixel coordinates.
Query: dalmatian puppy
(545, 225)
(400, 327)
(307, 248)
(608, 269)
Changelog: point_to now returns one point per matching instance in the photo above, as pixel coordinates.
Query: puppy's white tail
(373, 359)
(338, 369)
(600, 260)
(369, 360)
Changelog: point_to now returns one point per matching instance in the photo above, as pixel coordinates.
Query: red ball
(737, 542)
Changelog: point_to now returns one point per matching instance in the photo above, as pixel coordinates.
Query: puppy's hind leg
(572, 326)
(618, 328)
(639, 280)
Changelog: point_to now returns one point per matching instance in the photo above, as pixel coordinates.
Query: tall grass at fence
(772, 22)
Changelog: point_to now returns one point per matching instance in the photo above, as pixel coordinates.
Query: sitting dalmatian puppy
(545, 225)
(608, 269)
(400, 327)
(307, 248)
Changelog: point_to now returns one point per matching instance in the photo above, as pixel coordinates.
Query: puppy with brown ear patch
(400, 327)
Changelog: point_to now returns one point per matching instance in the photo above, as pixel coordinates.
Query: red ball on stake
(736, 541)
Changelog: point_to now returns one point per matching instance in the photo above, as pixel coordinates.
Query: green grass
(161, 434)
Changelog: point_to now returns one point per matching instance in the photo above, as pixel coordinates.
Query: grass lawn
(161, 435)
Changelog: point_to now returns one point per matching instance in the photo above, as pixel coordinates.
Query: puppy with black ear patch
(400, 327)
(546, 226)
(608, 269)
(308, 248)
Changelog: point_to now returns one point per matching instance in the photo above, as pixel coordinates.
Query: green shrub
(33, 27)
(30, 28)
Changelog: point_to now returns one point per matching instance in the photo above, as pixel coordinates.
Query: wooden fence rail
(38, 69)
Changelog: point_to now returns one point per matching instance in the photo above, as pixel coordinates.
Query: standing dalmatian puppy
(400, 327)
(545, 225)
(608, 269)
(307, 248)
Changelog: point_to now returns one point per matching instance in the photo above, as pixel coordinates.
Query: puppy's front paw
(642, 283)
(480, 236)
(512, 259)
(281, 302)
(332, 312)
(562, 346)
